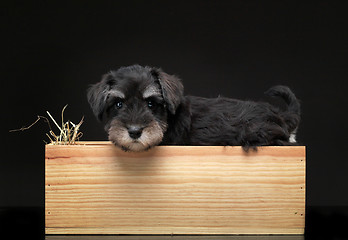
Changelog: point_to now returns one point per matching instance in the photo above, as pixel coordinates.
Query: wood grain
(95, 188)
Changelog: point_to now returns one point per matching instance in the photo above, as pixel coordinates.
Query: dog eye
(119, 105)
(151, 104)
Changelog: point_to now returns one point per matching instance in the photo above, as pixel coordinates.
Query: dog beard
(151, 136)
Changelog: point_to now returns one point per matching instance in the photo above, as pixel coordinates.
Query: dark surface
(52, 51)
(321, 223)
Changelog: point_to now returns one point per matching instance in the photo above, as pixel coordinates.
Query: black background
(52, 51)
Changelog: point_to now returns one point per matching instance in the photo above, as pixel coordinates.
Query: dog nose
(135, 132)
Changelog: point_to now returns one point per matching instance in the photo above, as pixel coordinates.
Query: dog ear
(97, 95)
(172, 89)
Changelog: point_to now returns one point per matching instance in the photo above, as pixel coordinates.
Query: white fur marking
(151, 91)
(116, 93)
(292, 138)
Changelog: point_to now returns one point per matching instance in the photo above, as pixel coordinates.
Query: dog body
(143, 107)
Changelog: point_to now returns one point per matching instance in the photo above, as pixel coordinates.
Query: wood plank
(95, 188)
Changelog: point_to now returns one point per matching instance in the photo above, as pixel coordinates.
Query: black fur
(187, 120)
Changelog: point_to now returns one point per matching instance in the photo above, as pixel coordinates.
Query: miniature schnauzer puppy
(143, 107)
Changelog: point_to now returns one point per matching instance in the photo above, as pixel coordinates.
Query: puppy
(143, 107)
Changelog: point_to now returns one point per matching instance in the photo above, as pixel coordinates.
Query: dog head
(135, 102)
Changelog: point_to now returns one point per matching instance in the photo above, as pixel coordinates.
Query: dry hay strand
(69, 133)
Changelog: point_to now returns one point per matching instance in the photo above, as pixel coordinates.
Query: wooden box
(95, 188)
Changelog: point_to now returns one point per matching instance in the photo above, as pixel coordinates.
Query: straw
(69, 132)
